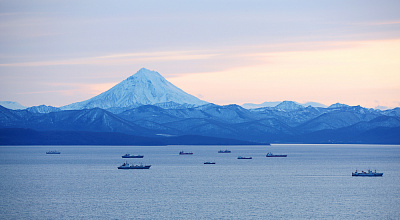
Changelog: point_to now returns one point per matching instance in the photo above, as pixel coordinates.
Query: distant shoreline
(30, 137)
(22, 136)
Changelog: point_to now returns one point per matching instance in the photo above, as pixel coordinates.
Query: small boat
(273, 155)
(185, 153)
(369, 173)
(132, 156)
(209, 162)
(127, 166)
(53, 152)
(248, 158)
(224, 151)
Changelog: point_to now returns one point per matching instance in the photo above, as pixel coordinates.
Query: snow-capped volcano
(145, 87)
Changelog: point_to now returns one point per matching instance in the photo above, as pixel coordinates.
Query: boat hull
(135, 167)
(367, 174)
(138, 156)
(277, 156)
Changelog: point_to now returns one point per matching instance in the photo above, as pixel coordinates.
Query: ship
(277, 155)
(139, 166)
(248, 158)
(209, 162)
(369, 173)
(185, 153)
(132, 156)
(53, 152)
(224, 151)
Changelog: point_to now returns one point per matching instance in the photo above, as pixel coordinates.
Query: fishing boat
(277, 155)
(132, 156)
(224, 151)
(53, 152)
(185, 153)
(369, 173)
(209, 162)
(248, 158)
(126, 165)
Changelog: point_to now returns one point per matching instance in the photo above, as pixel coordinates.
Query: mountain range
(146, 109)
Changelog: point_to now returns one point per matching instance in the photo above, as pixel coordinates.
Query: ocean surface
(312, 182)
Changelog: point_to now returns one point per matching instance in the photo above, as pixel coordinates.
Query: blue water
(313, 182)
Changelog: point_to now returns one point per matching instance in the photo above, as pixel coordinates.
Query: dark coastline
(22, 136)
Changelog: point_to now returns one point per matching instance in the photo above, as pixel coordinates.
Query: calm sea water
(313, 182)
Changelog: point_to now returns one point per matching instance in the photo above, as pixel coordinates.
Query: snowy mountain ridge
(352, 124)
(289, 106)
(275, 104)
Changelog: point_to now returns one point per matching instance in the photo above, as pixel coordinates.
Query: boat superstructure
(368, 173)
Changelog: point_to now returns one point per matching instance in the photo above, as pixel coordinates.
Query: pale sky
(225, 52)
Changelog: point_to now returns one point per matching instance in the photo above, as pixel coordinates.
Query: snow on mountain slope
(12, 105)
(43, 109)
(145, 87)
(289, 106)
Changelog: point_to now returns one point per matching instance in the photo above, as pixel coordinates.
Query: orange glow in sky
(365, 72)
